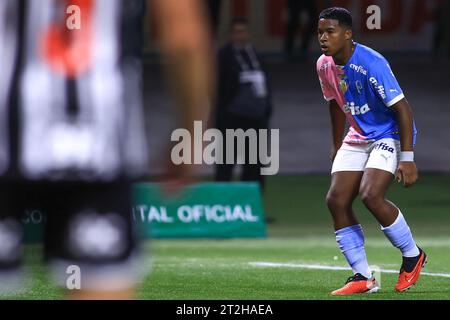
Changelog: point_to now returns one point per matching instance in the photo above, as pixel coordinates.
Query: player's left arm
(407, 171)
(386, 86)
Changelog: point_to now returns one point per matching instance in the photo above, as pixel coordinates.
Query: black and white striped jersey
(70, 99)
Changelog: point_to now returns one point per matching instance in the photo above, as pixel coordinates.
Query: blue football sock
(351, 243)
(400, 236)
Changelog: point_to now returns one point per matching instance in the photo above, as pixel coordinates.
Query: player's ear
(348, 34)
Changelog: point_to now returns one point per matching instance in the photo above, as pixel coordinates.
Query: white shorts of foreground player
(383, 154)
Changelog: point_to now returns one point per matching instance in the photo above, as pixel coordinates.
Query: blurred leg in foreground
(72, 134)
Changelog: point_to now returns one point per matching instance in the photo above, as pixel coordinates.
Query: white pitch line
(321, 267)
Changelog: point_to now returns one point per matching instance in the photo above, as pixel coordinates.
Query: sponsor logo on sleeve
(325, 66)
(378, 87)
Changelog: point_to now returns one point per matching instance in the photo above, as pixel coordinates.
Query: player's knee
(335, 202)
(370, 198)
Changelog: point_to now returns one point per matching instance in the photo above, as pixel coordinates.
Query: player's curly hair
(337, 13)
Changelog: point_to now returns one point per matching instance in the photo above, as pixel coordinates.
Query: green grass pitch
(301, 235)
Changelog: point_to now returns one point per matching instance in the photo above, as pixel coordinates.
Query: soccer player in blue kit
(361, 89)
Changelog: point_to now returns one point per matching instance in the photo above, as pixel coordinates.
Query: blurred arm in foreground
(186, 45)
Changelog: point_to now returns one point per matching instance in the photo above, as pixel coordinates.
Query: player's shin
(399, 234)
(351, 243)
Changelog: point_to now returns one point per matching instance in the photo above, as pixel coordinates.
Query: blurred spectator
(295, 8)
(243, 93)
(441, 45)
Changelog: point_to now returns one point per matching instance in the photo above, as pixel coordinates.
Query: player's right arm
(336, 115)
(337, 127)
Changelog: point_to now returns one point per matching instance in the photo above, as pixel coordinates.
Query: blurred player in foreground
(72, 137)
(361, 88)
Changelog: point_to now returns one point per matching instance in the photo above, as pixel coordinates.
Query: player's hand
(177, 178)
(407, 173)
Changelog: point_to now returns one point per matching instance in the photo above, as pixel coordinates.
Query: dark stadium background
(406, 38)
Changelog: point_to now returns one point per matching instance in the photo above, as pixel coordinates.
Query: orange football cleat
(358, 284)
(407, 279)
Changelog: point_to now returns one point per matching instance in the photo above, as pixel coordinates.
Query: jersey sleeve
(384, 83)
(327, 90)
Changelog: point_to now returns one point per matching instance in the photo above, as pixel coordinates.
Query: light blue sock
(351, 243)
(400, 236)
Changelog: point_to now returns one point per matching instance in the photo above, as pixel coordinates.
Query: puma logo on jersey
(356, 110)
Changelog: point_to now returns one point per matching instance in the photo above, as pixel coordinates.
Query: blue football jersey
(366, 89)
